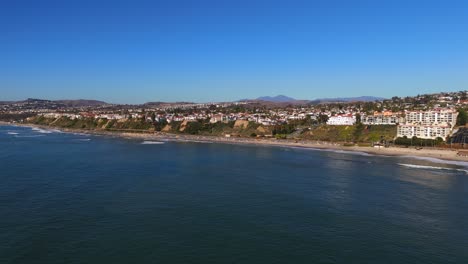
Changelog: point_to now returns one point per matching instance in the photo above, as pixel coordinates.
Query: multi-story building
(429, 132)
(433, 117)
(428, 124)
(383, 118)
(342, 120)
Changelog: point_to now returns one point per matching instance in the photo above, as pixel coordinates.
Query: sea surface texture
(75, 198)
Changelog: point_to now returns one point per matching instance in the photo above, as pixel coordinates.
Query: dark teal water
(68, 198)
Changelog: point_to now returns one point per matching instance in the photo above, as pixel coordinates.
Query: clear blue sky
(138, 51)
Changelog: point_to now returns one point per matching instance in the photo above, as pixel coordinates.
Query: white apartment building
(341, 120)
(428, 132)
(433, 117)
(428, 124)
(382, 120)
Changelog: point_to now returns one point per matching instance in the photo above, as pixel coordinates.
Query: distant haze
(278, 98)
(283, 99)
(275, 99)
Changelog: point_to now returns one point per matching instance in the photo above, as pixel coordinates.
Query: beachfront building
(428, 132)
(433, 117)
(342, 120)
(428, 124)
(383, 118)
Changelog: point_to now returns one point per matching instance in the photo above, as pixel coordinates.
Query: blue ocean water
(75, 198)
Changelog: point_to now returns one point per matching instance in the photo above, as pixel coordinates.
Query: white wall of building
(340, 120)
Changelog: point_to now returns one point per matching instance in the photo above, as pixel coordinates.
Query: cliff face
(241, 124)
(240, 127)
(91, 123)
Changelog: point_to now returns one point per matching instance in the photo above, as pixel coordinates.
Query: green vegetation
(352, 134)
(356, 133)
(284, 129)
(418, 142)
(158, 126)
(87, 123)
(358, 119)
(91, 123)
(281, 136)
(322, 119)
(462, 117)
(219, 128)
(200, 127)
(193, 128)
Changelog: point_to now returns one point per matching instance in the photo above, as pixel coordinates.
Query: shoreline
(442, 154)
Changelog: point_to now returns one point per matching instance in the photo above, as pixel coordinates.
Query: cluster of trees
(284, 129)
(415, 141)
(462, 117)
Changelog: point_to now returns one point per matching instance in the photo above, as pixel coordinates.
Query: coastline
(442, 154)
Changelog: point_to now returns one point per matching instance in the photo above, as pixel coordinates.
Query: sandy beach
(444, 154)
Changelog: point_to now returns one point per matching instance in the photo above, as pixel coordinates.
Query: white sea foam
(353, 152)
(192, 141)
(12, 133)
(185, 140)
(83, 139)
(152, 142)
(165, 139)
(426, 167)
(441, 161)
(80, 134)
(42, 131)
(29, 136)
(56, 131)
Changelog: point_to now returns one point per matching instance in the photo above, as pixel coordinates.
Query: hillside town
(430, 116)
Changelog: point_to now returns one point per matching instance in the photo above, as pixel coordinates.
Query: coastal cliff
(239, 128)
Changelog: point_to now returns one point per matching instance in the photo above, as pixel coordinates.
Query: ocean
(77, 198)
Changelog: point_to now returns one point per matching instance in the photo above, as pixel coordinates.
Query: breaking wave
(426, 167)
(152, 142)
(340, 151)
(80, 134)
(442, 161)
(83, 139)
(42, 131)
(191, 141)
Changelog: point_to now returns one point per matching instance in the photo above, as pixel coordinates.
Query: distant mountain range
(81, 102)
(287, 99)
(68, 103)
(276, 99)
(351, 99)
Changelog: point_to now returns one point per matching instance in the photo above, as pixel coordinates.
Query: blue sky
(139, 51)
